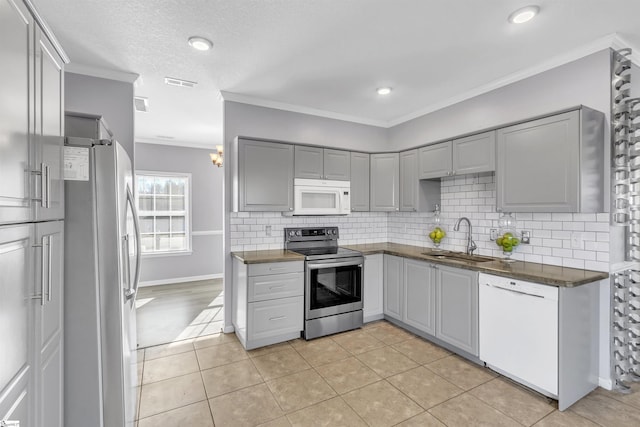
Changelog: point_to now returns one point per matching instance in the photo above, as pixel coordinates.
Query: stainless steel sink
(456, 256)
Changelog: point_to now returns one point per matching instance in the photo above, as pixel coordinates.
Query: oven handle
(315, 265)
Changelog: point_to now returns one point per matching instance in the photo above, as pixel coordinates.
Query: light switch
(577, 240)
(526, 236)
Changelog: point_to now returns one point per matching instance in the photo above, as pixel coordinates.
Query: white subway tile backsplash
(472, 196)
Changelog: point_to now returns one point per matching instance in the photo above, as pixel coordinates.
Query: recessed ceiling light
(200, 43)
(384, 90)
(523, 15)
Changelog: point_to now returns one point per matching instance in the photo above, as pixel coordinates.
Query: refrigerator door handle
(136, 226)
(129, 292)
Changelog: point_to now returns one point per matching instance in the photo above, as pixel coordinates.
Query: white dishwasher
(518, 331)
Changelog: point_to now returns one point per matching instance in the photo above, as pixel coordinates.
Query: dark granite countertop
(540, 273)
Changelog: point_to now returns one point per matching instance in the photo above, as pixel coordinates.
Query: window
(164, 210)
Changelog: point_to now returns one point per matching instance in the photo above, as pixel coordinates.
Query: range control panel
(310, 234)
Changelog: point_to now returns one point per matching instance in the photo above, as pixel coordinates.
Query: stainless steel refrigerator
(102, 270)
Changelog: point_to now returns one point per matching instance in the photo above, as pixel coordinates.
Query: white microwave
(321, 197)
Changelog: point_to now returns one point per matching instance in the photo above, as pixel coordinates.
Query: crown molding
(103, 73)
(173, 143)
(261, 102)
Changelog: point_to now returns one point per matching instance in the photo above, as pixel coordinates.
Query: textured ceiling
(326, 55)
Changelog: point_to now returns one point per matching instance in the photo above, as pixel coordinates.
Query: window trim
(188, 215)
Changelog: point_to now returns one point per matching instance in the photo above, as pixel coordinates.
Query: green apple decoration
(507, 242)
(436, 235)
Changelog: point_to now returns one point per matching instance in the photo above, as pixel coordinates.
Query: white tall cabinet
(31, 219)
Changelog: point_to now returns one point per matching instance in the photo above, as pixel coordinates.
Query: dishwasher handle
(513, 291)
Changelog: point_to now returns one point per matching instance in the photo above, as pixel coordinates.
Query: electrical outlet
(577, 240)
(493, 233)
(267, 230)
(526, 237)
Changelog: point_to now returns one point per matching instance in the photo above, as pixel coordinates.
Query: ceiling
(323, 56)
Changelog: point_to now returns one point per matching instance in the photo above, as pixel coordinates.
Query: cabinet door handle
(46, 203)
(276, 287)
(278, 318)
(275, 268)
(49, 269)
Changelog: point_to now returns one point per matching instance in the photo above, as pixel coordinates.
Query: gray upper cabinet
(419, 299)
(265, 176)
(393, 286)
(322, 163)
(359, 182)
(16, 80)
(337, 165)
(474, 154)
(416, 195)
(31, 181)
(553, 164)
(384, 182)
(49, 131)
(409, 180)
(471, 154)
(435, 160)
(457, 307)
(309, 162)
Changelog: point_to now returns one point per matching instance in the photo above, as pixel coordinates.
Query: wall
(111, 99)
(206, 259)
(584, 81)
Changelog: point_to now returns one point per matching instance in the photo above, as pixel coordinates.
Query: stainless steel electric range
(333, 280)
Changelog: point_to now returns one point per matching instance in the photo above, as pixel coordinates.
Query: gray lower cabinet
(49, 322)
(552, 164)
(385, 186)
(372, 299)
(419, 301)
(416, 195)
(265, 176)
(435, 161)
(474, 154)
(457, 307)
(359, 182)
(268, 302)
(322, 163)
(393, 286)
(17, 366)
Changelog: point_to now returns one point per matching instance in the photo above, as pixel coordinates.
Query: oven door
(333, 286)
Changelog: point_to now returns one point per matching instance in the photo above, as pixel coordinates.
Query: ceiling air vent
(172, 81)
(141, 104)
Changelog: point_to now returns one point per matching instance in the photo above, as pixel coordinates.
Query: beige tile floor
(377, 376)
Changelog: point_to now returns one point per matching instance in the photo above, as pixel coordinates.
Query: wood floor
(169, 313)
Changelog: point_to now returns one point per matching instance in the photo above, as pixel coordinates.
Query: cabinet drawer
(276, 268)
(275, 286)
(276, 317)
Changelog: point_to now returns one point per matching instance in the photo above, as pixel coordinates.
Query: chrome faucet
(471, 245)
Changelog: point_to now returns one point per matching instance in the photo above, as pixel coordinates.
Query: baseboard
(606, 383)
(180, 280)
(228, 329)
